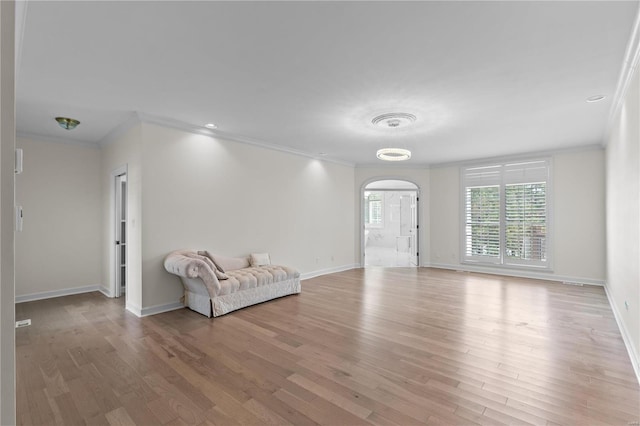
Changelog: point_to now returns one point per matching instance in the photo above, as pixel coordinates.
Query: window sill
(489, 265)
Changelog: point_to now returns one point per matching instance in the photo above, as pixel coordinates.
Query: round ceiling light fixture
(596, 98)
(67, 123)
(393, 154)
(394, 120)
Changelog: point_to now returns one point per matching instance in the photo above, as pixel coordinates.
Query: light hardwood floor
(395, 346)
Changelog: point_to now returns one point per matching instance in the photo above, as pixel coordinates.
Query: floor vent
(570, 283)
(23, 323)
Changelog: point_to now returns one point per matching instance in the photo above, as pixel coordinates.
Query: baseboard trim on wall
(105, 291)
(628, 343)
(319, 272)
(158, 309)
(548, 276)
(58, 293)
(134, 309)
(152, 310)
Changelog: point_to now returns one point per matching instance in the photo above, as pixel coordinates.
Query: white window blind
(375, 211)
(482, 230)
(525, 217)
(373, 216)
(506, 213)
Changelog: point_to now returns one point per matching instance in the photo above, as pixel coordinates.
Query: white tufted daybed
(215, 285)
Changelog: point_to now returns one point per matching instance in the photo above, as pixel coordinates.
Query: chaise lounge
(215, 285)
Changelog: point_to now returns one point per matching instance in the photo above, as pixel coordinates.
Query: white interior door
(409, 224)
(121, 234)
(413, 231)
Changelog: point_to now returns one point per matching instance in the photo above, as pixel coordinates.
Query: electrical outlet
(23, 323)
(626, 305)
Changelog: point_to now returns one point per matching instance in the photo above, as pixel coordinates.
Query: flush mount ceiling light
(596, 98)
(210, 126)
(393, 154)
(394, 120)
(67, 123)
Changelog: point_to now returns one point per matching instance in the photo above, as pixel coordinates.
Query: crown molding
(120, 129)
(517, 157)
(629, 65)
(510, 157)
(217, 134)
(52, 139)
(136, 118)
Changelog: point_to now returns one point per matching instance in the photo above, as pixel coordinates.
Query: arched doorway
(390, 223)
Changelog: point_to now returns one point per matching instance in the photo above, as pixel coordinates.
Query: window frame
(502, 261)
(367, 204)
(488, 260)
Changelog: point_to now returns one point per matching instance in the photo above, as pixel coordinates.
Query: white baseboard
(152, 310)
(158, 309)
(134, 309)
(313, 274)
(549, 276)
(57, 293)
(106, 291)
(628, 343)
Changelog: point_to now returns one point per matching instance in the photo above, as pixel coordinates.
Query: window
(506, 214)
(373, 209)
(525, 222)
(483, 222)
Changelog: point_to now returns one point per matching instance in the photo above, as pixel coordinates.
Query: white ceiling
(484, 79)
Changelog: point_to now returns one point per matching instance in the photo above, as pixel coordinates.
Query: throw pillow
(260, 259)
(203, 255)
(226, 264)
(205, 259)
(220, 275)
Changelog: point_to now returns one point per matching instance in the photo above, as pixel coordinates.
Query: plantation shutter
(482, 213)
(526, 213)
(375, 206)
(505, 216)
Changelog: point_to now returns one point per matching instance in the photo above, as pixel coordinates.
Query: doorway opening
(390, 223)
(120, 235)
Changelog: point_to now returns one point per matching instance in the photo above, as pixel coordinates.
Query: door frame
(113, 267)
(361, 218)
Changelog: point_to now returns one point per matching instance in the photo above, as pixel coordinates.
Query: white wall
(7, 148)
(124, 150)
(623, 217)
(444, 216)
(578, 218)
(59, 249)
(579, 215)
(419, 176)
(233, 199)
